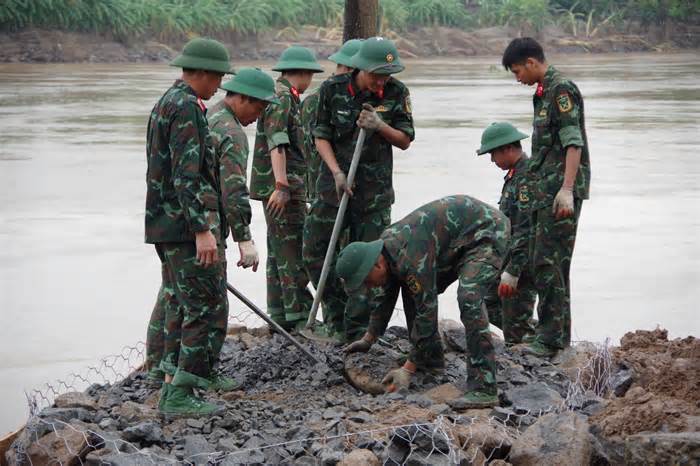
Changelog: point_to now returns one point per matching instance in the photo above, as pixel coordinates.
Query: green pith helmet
(204, 54)
(356, 260)
(252, 82)
(298, 58)
(378, 55)
(346, 52)
(497, 135)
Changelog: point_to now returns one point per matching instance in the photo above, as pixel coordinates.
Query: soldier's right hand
(341, 184)
(508, 286)
(278, 201)
(207, 252)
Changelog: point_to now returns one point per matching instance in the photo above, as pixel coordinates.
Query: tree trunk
(361, 19)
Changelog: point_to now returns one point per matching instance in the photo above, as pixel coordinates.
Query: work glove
(369, 119)
(508, 286)
(563, 203)
(341, 184)
(360, 346)
(396, 379)
(249, 255)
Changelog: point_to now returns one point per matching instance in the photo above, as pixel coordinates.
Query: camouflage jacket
(558, 123)
(279, 125)
(514, 204)
(309, 108)
(340, 103)
(231, 146)
(182, 195)
(428, 247)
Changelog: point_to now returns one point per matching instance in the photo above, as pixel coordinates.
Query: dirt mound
(664, 394)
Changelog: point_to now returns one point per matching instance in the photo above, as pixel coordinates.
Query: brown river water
(77, 282)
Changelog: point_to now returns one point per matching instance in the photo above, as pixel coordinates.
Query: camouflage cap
(252, 82)
(356, 260)
(204, 54)
(497, 135)
(378, 55)
(346, 52)
(297, 58)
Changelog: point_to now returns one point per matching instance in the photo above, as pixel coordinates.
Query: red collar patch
(294, 91)
(540, 90)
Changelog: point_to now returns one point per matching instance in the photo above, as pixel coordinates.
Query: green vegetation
(169, 19)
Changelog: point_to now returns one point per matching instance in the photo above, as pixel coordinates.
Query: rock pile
(288, 412)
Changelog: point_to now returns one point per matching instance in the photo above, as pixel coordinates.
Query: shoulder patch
(564, 102)
(407, 104)
(523, 195)
(413, 284)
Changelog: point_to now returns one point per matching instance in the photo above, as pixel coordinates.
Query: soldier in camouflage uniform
(456, 238)
(247, 95)
(184, 222)
(278, 180)
(343, 60)
(512, 315)
(558, 181)
(370, 98)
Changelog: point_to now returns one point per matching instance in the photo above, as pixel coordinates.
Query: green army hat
(356, 260)
(346, 52)
(252, 82)
(297, 58)
(378, 55)
(497, 135)
(204, 54)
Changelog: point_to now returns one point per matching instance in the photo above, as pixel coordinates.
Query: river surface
(78, 283)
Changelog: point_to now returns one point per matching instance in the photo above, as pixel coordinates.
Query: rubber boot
(181, 401)
(220, 382)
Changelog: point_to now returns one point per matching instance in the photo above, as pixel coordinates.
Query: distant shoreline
(53, 46)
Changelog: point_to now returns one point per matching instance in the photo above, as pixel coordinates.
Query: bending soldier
(456, 238)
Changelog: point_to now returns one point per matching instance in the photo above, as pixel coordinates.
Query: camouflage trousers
(189, 320)
(551, 248)
(288, 299)
(476, 277)
(348, 315)
(513, 315)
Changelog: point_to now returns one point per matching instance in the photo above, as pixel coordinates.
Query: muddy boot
(181, 401)
(539, 349)
(220, 382)
(154, 377)
(474, 400)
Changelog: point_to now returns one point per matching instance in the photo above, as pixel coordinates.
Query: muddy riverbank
(52, 46)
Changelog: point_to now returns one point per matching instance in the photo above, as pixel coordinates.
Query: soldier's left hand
(369, 119)
(277, 202)
(396, 379)
(249, 255)
(563, 203)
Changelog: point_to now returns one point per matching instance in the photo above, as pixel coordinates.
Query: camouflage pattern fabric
(340, 104)
(514, 314)
(288, 299)
(279, 125)
(551, 249)
(200, 315)
(164, 301)
(231, 147)
(450, 239)
(340, 313)
(182, 195)
(309, 107)
(558, 123)
(369, 210)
